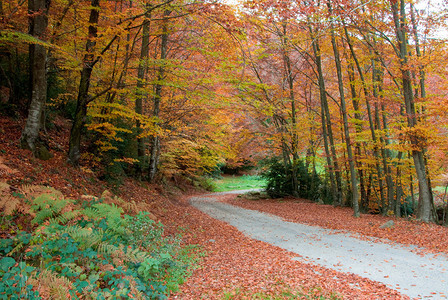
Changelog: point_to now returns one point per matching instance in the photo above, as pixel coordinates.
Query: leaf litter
(238, 267)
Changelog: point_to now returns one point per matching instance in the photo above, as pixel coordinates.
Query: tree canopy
(353, 91)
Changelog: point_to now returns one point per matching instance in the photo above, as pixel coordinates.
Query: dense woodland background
(344, 100)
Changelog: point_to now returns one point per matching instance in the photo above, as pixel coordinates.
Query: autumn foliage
(168, 89)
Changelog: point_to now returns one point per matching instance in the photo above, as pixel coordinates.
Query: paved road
(394, 265)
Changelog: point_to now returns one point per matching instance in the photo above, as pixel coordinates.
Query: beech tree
(38, 10)
(425, 205)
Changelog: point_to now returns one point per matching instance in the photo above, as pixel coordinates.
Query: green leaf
(93, 278)
(6, 263)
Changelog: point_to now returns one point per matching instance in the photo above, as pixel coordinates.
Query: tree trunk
(154, 160)
(74, 152)
(353, 175)
(333, 166)
(141, 93)
(425, 210)
(419, 54)
(369, 114)
(294, 138)
(155, 142)
(384, 139)
(38, 10)
(358, 128)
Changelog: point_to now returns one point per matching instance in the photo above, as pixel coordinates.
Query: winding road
(397, 266)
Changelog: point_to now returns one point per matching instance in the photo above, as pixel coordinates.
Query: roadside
(394, 265)
(238, 267)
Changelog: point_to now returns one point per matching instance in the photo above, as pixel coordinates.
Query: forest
(340, 102)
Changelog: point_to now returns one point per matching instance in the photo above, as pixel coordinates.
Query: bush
(205, 183)
(95, 251)
(280, 183)
(279, 179)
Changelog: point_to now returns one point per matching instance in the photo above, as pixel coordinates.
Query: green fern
(117, 226)
(134, 256)
(42, 215)
(92, 213)
(100, 210)
(48, 206)
(99, 249)
(86, 237)
(16, 249)
(109, 210)
(106, 248)
(65, 218)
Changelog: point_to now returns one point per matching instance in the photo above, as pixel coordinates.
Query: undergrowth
(91, 250)
(279, 181)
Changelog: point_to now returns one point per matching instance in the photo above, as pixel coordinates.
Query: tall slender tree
(351, 159)
(425, 206)
(89, 61)
(141, 84)
(38, 10)
(155, 141)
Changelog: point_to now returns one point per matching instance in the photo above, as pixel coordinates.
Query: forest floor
(234, 266)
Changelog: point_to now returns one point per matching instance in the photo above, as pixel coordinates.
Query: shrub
(279, 179)
(95, 251)
(280, 183)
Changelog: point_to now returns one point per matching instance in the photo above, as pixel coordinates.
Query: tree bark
(386, 154)
(83, 100)
(358, 128)
(141, 94)
(353, 175)
(294, 138)
(425, 210)
(38, 10)
(333, 166)
(155, 142)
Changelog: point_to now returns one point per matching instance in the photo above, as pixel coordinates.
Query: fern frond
(16, 249)
(130, 206)
(48, 206)
(4, 169)
(72, 230)
(4, 187)
(33, 191)
(109, 210)
(106, 248)
(9, 204)
(51, 285)
(136, 294)
(42, 215)
(92, 240)
(92, 213)
(65, 218)
(136, 256)
(116, 226)
(85, 236)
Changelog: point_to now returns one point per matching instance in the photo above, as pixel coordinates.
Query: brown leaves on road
(238, 267)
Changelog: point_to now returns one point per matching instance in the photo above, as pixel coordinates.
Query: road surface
(394, 265)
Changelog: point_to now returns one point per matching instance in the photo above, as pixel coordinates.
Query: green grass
(235, 183)
(285, 293)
